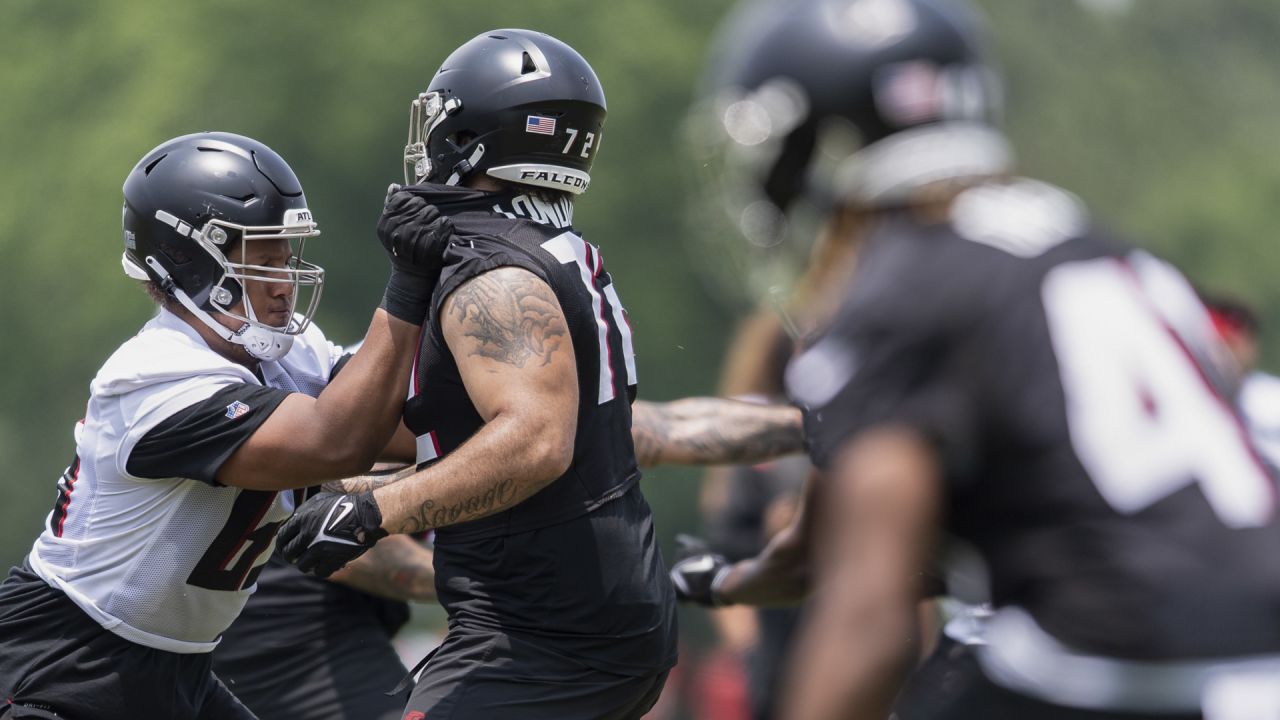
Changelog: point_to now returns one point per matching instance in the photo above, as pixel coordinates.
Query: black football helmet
(192, 200)
(517, 105)
(809, 104)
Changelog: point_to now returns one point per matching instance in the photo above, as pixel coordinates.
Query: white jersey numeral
(573, 134)
(1143, 418)
(570, 248)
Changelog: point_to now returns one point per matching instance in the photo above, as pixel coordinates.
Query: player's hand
(330, 530)
(698, 573)
(415, 236)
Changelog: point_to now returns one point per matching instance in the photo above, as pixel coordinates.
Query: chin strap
(259, 342)
(464, 167)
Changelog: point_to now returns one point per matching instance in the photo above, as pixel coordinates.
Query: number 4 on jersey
(570, 248)
(1144, 420)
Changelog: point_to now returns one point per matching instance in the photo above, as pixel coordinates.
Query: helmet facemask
(220, 239)
(426, 113)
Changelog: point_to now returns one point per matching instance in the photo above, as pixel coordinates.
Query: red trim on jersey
(608, 346)
(64, 500)
(1245, 438)
(435, 443)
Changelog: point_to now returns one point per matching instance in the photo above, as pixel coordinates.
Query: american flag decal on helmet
(540, 125)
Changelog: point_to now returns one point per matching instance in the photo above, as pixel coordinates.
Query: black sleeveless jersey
(1074, 390)
(575, 564)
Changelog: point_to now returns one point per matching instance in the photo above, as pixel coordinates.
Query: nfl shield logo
(236, 409)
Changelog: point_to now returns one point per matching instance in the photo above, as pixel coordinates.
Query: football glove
(330, 530)
(698, 573)
(415, 236)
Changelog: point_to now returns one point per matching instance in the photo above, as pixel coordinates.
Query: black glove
(330, 530)
(698, 573)
(415, 236)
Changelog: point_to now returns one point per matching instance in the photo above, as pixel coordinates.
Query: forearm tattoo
(369, 482)
(712, 430)
(431, 514)
(513, 316)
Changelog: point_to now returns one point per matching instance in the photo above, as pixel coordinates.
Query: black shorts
(341, 671)
(493, 676)
(56, 661)
(950, 685)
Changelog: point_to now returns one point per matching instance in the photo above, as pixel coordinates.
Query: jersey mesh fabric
(127, 547)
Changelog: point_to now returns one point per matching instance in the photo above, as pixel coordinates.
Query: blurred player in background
(744, 507)
(1000, 371)
(1238, 326)
(227, 396)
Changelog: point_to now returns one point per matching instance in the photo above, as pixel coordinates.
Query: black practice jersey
(1069, 385)
(576, 563)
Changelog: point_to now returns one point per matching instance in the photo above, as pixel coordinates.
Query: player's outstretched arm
(508, 334)
(397, 568)
(874, 535)
(710, 431)
(341, 432)
(779, 575)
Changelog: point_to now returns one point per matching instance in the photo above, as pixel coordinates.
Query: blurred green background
(1162, 115)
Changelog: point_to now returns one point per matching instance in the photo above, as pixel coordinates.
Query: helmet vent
(152, 166)
(209, 149)
(528, 65)
(498, 37)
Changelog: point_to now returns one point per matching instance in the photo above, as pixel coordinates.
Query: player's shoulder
(166, 350)
(312, 354)
(992, 246)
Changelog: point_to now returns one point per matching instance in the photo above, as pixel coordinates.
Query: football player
(522, 410)
(228, 396)
(1001, 371)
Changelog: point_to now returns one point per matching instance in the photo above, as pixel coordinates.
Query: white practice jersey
(1260, 405)
(142, 537)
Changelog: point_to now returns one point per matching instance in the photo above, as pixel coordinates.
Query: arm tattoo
(650, 430)
(713, 431)
(375, 479)
(513, 316)
(430, 514)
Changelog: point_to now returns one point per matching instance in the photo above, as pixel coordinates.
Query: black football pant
(950, 685)
(57, 662)
(341, 673)
(492, 676)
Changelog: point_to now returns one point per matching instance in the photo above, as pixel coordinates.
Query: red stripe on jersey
(64, 502)
(608, 346)
(1236, 420)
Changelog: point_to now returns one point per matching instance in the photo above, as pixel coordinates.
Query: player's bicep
(196, 440)
(403, 446)
(286, 452)
(511, 342)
